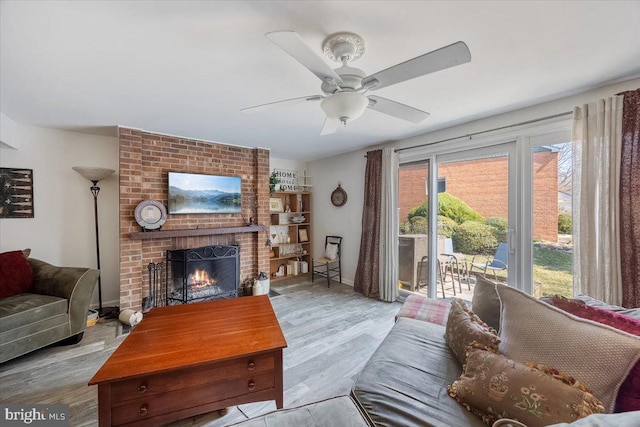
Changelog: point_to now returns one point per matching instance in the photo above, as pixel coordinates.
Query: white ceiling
(187, 68)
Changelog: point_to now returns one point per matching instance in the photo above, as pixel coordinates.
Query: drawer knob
(252, 385)
(251, 365)
(142, 388)
(143, 410)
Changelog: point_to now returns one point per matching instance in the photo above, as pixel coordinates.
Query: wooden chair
(329, 266)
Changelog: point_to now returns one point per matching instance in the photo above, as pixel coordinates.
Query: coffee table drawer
(150, 406)
(185, 378)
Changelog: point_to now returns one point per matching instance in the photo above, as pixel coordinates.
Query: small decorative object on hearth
(130, 317)
(264, 281)
(257, 288)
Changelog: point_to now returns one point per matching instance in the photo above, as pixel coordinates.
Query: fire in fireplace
(202, 274)
(200, 279)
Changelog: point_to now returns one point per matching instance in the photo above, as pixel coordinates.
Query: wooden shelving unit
(288, 243)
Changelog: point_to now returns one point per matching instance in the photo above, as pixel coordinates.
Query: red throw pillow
(15, 273)
(629, 394)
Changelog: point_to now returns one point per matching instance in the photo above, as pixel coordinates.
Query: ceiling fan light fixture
(344, 106)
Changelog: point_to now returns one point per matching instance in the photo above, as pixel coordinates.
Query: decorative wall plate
(150, 214)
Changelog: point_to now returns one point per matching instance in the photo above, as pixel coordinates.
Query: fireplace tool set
(155, 282)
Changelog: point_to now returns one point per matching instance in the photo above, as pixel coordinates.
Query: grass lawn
(552, 272)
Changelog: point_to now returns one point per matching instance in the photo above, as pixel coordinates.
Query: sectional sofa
(407, 380)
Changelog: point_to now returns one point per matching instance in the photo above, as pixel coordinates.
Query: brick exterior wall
(482, 184)
(145, 160)
(545, 196)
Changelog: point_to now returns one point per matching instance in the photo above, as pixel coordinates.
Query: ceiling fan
(345, 88)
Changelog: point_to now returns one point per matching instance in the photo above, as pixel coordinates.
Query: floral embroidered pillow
(494, 387)
(464, 327)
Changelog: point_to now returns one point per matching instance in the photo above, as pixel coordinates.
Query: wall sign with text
(288, 179)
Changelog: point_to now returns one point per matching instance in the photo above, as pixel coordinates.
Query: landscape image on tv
(194, 193)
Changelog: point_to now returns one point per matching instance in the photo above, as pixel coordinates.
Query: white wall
(62, 232)
(345, 221)
(8, 132)
(292, 165)
(349, 168)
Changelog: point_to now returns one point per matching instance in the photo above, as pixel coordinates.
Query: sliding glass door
(465, 230)
(503, 208)
(413, 184)
(548, 256)
(475, 219)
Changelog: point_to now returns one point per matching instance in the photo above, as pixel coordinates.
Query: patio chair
(497, 263)
(455, 263)
(423, 280)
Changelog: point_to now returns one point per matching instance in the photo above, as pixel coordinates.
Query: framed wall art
(275, 204)
(16, 193)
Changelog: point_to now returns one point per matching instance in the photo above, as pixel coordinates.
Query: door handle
(511, 240)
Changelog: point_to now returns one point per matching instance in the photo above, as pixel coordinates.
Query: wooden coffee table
(190, 359)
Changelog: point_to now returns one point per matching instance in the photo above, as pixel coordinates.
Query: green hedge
(446, 226)
(449, 206)
(475, 237)
(454, 208)
(565, 223)
(499, 226)
(416, 225)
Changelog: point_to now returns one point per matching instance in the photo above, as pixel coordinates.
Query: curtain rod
(469, 135)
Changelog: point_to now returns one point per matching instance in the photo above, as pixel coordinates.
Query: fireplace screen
(202, 274)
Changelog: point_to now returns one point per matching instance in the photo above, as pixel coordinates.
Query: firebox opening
(203, 273)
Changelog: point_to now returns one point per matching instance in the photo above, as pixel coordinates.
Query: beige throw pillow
(599, 355)
(463, 328)
(485, 302)
(331, 251)
(494, 387)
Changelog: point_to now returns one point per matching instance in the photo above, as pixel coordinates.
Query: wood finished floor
(331, 333)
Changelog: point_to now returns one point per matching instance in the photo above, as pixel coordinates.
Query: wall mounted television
(191, 193)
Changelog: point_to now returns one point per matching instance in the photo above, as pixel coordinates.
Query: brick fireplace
(145, 160)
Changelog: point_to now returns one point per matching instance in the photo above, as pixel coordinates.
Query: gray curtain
(367, 280)
(630, 199)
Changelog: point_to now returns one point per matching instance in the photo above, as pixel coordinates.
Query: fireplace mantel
(146, 235)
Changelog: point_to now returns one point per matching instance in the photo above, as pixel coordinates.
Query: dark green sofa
(54, 309)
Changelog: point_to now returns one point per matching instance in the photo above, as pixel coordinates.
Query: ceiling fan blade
(283, 103)
(397, 109)
(445, 57)
(291, 43)
(330, 126)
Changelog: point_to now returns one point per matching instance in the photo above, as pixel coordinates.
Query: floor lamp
(95, 175)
